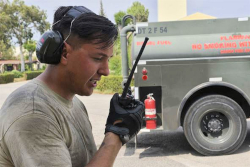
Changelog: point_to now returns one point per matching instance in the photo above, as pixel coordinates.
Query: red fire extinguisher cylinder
(150, 112)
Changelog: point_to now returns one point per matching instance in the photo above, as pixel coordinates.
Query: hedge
(6, 78)
(111, 83)
(32, 74)
(17, 74)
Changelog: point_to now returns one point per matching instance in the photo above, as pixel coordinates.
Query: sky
(220, 8)
(110, 6)
(216, 8)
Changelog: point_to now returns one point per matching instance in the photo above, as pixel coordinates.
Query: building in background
(172, 10)
(198, 16)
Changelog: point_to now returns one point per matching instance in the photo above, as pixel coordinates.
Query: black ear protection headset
(49, 47)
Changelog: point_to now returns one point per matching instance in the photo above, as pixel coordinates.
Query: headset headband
(77, 11)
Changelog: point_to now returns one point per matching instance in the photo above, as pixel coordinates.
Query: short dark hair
(88, 27)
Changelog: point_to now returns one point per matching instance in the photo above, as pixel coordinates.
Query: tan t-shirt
(39, 128)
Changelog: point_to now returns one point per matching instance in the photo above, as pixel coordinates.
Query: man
(43, 123)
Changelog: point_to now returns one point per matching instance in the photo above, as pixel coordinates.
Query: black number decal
(149, 30)
(163, 30)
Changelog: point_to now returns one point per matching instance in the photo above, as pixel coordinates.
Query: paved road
(155, 149)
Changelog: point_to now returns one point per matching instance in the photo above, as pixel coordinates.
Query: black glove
(131, 117)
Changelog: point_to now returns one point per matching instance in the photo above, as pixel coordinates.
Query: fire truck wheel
(215, 125)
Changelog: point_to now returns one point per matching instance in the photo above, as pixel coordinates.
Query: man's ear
(65, 53)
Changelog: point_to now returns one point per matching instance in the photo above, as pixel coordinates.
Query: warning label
(230, 44)
(150, 111)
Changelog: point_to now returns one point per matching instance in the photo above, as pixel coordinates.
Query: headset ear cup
(48, 48)
(58, 52)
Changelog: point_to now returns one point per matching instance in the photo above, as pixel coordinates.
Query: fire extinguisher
(150, 112)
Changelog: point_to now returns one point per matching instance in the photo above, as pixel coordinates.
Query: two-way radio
(127, 100)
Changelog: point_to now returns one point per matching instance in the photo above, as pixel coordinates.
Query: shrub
(32, 74)
(111, 84)
(44, 67)
(17, 74)
(6, 78)
(115, 65)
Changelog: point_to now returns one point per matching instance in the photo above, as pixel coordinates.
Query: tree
(22, 21)
(141, 15)
(30, 46)
(6, 49)
(115, 61)
(101, 13)
(139, 11)
(115, 65)
(118, 17)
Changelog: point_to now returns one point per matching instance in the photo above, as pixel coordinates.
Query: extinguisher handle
(150, 96)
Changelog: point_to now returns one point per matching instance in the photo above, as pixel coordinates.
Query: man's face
(85, 67)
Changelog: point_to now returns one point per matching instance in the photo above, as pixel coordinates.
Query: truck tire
(215, 125)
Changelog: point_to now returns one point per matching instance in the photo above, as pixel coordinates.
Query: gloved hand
(131, 118)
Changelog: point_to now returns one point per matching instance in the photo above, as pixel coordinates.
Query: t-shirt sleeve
(36, 140)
